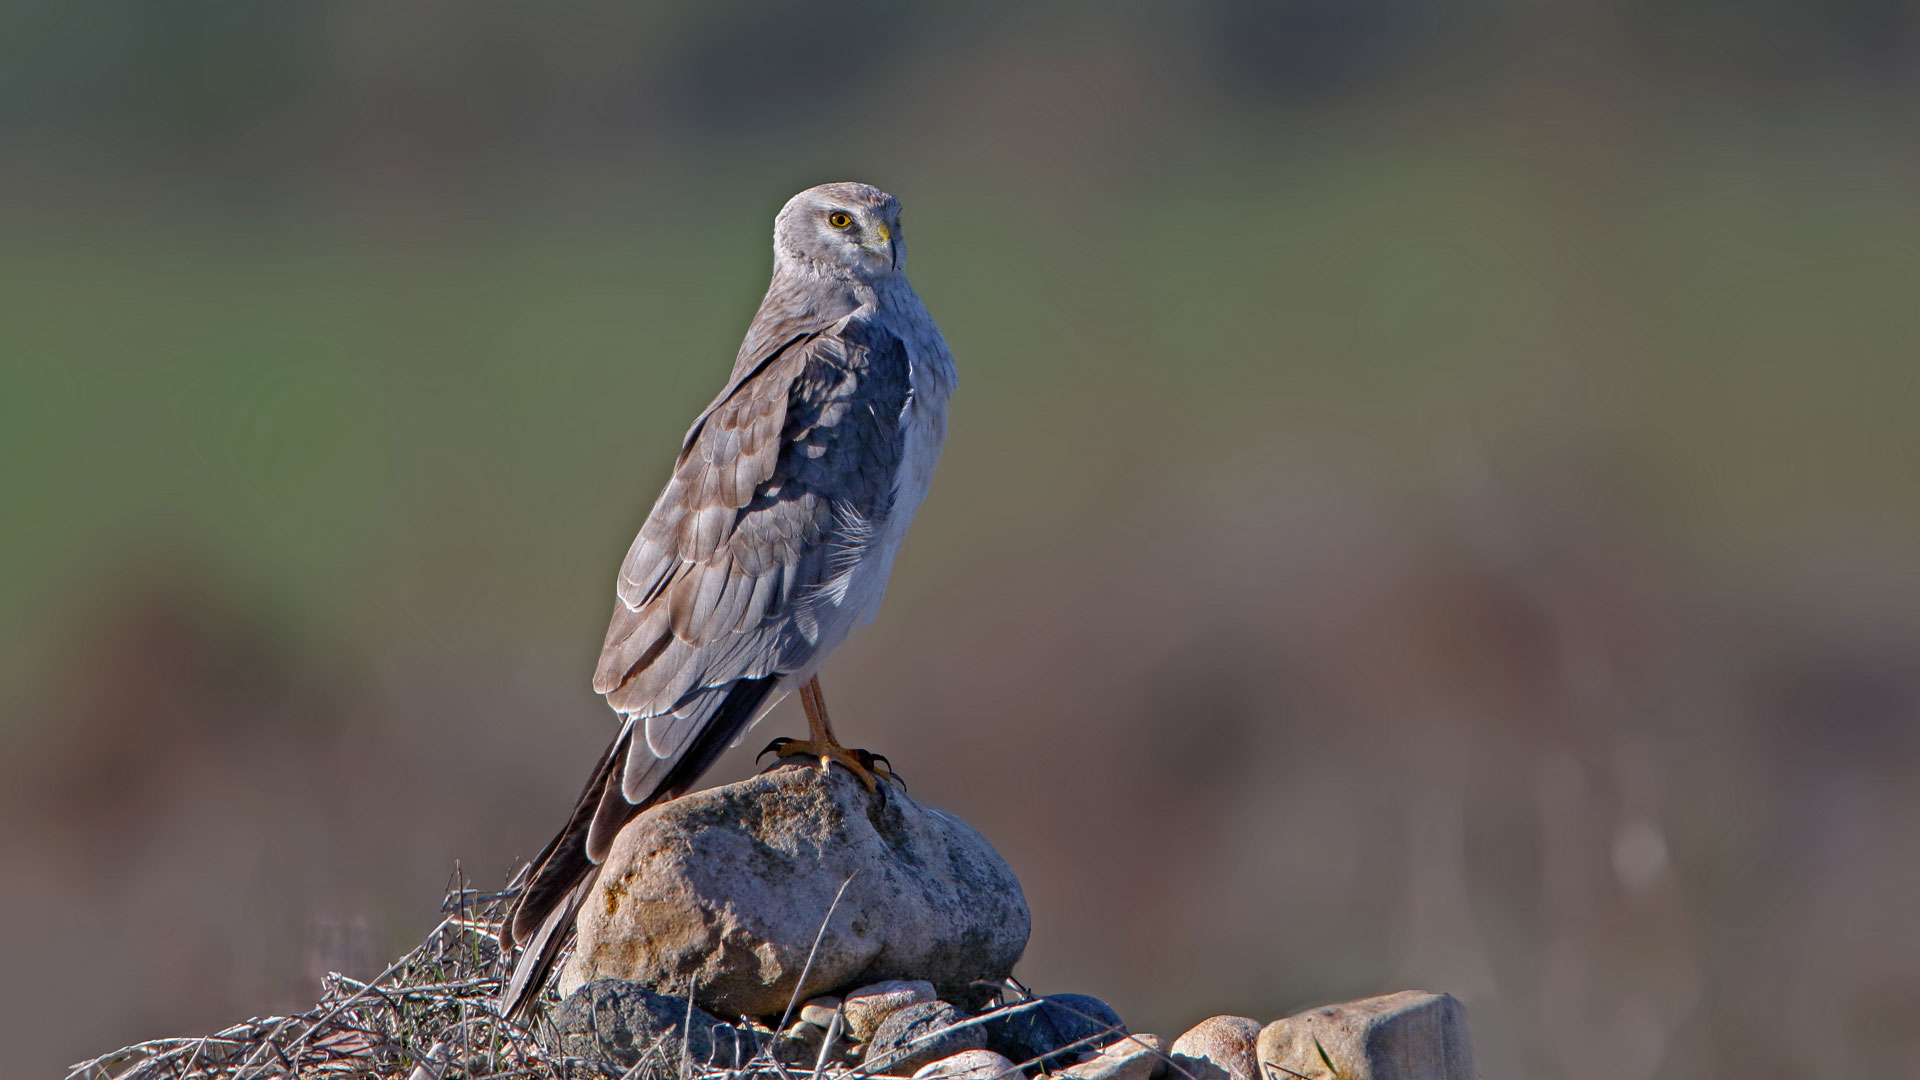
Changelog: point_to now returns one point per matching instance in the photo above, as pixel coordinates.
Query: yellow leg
(868, 768)
(819, 724)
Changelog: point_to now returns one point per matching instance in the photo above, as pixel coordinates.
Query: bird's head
(843, 229)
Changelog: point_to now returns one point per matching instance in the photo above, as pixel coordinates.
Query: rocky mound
(793, 919)
(799, 918)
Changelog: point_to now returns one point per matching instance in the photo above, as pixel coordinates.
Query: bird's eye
(839, 220)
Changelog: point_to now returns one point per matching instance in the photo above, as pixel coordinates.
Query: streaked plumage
(773, 539)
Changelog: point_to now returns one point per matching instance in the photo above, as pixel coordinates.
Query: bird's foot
(867, 767)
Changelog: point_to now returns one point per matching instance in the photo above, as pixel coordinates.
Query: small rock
(1182, 1067)
(820, 1011)
(616, 1021)
(1406, 1036)
(1224, 1042)
(727, 889)
(1135, 1057)
(1153, 1043)
(801, 1045)
(1055, 1030)
(970, 1065)
(866, 1007)
(917, 1035)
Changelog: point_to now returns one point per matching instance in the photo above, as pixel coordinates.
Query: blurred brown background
(1433, 499)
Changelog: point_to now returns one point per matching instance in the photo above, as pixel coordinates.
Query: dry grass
(429, 1016)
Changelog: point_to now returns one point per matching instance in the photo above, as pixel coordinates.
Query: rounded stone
(969, 1065)
(918, 1035)
(1133, 1057)
(1053, 1031)
(820, 1011)
(619, 1022)
(1226, 1042)
(1411, 1035)
(802, 1043)
(866, 1007)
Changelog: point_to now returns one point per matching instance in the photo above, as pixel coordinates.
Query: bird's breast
(923, 429)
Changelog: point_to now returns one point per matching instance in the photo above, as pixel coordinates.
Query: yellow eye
(839, 220)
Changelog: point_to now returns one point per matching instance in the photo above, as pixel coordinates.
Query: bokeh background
(1433, 499)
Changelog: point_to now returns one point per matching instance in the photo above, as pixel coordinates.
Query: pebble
(1405, 1036)
(617, 1021)
(866, 1007)
(801, 1044)
(916, 1035)
(1224, 1042)
(1136, 1057)
(969, 1065)
(1058, 1031)
(820, 1011)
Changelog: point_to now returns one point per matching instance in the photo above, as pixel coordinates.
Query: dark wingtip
(543, 948)
(563, 862)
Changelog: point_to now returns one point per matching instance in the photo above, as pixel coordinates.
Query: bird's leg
(869, 768)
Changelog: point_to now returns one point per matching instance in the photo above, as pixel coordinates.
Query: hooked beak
(892, 246)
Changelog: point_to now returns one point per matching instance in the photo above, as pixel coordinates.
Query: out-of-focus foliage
(1433, 499)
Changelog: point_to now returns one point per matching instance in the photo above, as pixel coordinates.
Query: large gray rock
(725, 889)
(1410, 1035)
(1225, 1043)
(618, 1022)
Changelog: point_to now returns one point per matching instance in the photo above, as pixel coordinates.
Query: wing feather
(732, 604)
(667, 733)
(748, 527)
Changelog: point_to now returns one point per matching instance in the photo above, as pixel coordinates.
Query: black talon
(870, 759)
(774, 748)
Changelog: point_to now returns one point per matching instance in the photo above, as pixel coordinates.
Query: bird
(772, 541)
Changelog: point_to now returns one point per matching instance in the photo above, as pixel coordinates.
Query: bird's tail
(542, 950)
(541, 918)
(559, 878)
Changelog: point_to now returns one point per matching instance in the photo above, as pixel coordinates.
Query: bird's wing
(778, 487)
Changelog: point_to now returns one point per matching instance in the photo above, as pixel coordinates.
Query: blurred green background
(1433, 498)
